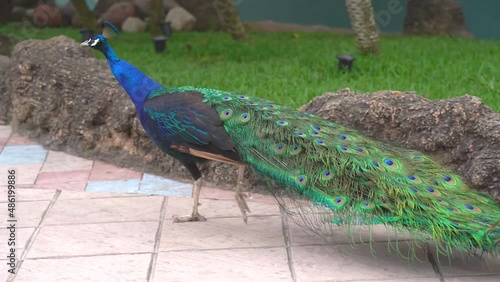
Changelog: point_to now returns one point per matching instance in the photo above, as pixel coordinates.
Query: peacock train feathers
(324, 173)
(352, 179)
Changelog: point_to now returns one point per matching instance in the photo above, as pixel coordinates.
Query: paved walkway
(83, 220)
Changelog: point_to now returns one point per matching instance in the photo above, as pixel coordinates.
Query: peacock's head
(98, 41)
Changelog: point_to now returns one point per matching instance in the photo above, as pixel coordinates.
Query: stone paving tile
(28, 214)
(70, 186)
(60, 161)
(220, 194)
(26, 174)
(345, 263)
(26, 154)
(130, 267)
(220, 233)
(461, 264)
(114, 186)
(21, 239)
(157, 185)
(18, 140)
(262, 264)
(25, 194)
(211, 208)
(105, 210)
(72, 195)
(106, 172)
(479, 278)
(94, 239)
(63, 177)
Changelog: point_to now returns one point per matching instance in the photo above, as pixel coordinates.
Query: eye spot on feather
(282, 123)
(414, 179)
(301, 180)
(414, 190)
(301, 115)
(450, 180)
(245, 117)
(227, 98)
(314, 132)
(300, 134)
(339, 202)
(226, 114)
(316, 127)
(243, 97)
(391, 164)
(472, 208)
(327, 175)
(453, 210)
(266, 116)
(342, 136)
(418, 158)
(454, 224)
(343, 148)
(279, 149)
(433, 191)
(367, 205)
(294, 150)
(319, 142)
(251, 103)
(375, 164)
(361, 151)
(262, 108)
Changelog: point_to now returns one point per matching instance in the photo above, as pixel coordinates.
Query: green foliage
(294, 68)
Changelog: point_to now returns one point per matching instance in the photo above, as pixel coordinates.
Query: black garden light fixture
(160, 43)
(345, 61)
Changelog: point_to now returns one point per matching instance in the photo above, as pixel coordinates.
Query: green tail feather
(358, 179)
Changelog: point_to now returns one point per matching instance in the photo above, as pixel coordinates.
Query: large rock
(435, 17)
(5, 100)
(119, 12)
(180, 19)
(462, 133)
(70, 101)
(134, 24)
(47, 16)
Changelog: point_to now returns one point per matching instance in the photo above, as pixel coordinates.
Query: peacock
(330, 173)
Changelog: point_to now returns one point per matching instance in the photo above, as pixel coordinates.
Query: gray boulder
(5, 100)
(133, 24)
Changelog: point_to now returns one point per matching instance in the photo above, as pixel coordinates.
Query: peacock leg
(195, 215)
(240, 197)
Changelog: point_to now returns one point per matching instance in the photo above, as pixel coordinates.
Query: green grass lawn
(293, 69)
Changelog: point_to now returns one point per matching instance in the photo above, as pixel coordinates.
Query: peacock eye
(94, 42)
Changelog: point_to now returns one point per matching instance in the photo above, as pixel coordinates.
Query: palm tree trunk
(226, 10)
(156, 16)
(86, 16)
(364, 25)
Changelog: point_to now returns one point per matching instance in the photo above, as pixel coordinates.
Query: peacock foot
(189, 218)
(240, 199)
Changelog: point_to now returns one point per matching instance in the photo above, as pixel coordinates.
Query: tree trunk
(364, 25)
(435, 17)
(86, 16)
(5, 10)
(156, 16)
(226, 10)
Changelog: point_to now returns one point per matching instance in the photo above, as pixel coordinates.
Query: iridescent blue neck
(136, 83)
